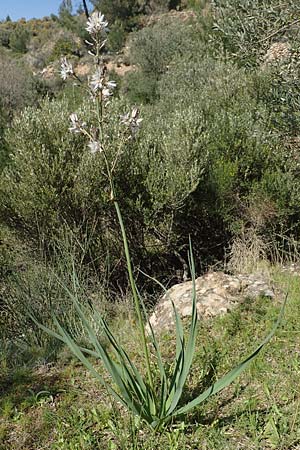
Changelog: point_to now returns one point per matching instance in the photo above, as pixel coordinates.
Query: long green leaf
(188, 353)
(234, 373)
(59, 337)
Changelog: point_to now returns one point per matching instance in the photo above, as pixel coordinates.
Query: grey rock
(216, 294)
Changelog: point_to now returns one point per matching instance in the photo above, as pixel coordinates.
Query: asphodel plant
(156, 405)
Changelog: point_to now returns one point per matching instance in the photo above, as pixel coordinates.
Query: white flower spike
(97, 80)
(97, 24)
(66, 68)
(76, 125)
(95, 147)
(132, 120)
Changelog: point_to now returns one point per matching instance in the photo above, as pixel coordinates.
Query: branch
(280, 30)
(85, 9)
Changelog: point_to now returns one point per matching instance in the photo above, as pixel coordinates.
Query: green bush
(4, 36)
(205, 146)
(19, 39)
(18, 87)
(62, 47)
(207, 142)
(140, 88)
(277, 86)
(43, 161)
(117, 36)
(52, 183)
(214, 135)
(245, 29)
(152, 50)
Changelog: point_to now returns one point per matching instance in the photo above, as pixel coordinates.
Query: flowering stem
(135, 295)
(130, 274)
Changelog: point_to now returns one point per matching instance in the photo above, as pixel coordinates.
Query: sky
(29, 9)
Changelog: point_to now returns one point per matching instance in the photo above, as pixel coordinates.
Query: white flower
(106, 92)
(95, 147)
(111, 84)
(124, 119)
(97, 23)
(66, 68)
(132, 120)
(97, 80)
(76, 125)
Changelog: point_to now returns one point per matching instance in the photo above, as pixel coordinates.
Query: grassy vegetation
(216, 158)
(62, 407)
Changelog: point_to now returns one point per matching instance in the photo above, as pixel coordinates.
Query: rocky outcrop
(216, 293)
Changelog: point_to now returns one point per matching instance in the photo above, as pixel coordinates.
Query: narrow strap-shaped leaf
(190, 348)
(120, 351)
(161, 367)
(126, 399)
(113, 368)
(78, 353)
(59, 337)
(234, 373)
(127, 386)
(176, 382)
(132, 377)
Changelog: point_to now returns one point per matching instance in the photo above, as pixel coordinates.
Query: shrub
(140, 88)
(42, 163)
(51, 184)
(19, 39)
(18, 87)
(277, 86)
(5, 36)
(117, 36)
(206, 142)
(63, 47)
(247, 29)
(152, 50)
(203, 149)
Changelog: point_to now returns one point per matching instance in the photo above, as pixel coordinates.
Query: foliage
(19, 39)
(246, 29)
(153, 48)
(223, 156)
(4, 37)
(225, 163)
(18, 88)
(140, 88)
(63, 47)
(117, 36)
(156, 407)
(119, 10)
(43, 166)
(3, 146)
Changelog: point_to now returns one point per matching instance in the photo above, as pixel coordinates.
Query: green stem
(135, 295)
(99, 111)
